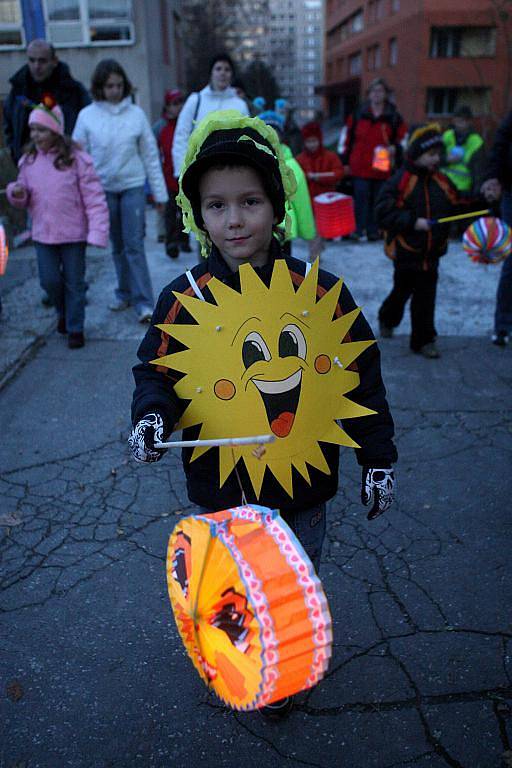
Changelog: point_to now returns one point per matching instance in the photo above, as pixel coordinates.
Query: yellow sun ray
(356, 411)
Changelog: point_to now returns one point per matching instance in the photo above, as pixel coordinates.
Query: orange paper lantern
(4, 250)
(248, 604)
(334, 214)
(381, 159)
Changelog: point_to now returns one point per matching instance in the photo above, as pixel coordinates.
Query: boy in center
(233, 190)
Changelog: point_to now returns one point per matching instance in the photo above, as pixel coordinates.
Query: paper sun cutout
(267, 360)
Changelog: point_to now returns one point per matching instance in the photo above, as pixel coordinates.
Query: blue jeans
(503, 312)
(127, 230)
(309, 527)
(62, 276)
(365, 195)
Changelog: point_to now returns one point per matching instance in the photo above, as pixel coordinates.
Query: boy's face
(237, 214)
(430, 159)
(311, 144)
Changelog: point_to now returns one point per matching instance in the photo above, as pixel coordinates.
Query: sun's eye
(292, 342)
(254, 349)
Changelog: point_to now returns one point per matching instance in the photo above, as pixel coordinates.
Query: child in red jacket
(323, 171)
(175, 238)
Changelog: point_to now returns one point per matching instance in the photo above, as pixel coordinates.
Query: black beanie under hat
(422, 138)
(235, 147)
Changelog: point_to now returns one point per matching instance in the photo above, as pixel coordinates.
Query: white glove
(377, 486)
(145, 433)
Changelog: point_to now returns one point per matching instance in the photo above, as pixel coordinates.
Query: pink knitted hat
(53, 119)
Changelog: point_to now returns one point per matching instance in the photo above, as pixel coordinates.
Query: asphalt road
(92, 671)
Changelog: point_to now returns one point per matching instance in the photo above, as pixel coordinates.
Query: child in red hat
(323, 170)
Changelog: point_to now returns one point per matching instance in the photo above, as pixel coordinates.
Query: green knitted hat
(227, 136)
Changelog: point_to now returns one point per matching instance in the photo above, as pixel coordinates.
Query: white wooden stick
(254, 440)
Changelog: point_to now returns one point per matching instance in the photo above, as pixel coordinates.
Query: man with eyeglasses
(42, 74)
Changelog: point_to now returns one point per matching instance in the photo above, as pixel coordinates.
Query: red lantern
(334, 215)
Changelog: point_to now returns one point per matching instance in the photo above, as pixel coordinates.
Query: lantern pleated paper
(334, 214)
(248, 605)
(4, 250)
(488, 240)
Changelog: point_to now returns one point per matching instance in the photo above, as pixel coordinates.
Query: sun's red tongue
(282, 425)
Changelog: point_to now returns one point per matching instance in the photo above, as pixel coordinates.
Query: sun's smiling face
(268, 361)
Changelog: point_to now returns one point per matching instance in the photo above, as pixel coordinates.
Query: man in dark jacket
(42, 74)
(498, 182)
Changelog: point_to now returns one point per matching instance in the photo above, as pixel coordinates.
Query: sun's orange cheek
(224, 389)
(322, 364)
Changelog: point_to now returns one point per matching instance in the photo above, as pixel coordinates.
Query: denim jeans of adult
(309, 527)
(62, 276)
(365, 196)
(503, 311)
(127, 230)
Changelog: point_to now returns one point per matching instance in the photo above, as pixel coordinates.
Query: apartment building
(435, 56)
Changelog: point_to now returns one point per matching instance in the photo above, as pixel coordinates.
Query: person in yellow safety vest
(465, 155)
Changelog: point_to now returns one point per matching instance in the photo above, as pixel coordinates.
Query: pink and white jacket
(66, 206)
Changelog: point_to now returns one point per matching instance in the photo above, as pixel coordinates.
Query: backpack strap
(194, 285)
(196, 111)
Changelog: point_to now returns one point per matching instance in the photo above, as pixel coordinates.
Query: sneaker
(186, 248)
(372, 238)
(354, 237)
(278, 709)
(118, 305)
(76, 340)
(61, 325)
(385, 331)
(145, 315)
(500, 338)
(430, 351)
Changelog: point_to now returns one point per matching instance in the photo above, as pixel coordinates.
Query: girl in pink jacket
(59, 186)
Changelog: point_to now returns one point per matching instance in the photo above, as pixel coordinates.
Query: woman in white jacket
(218, 94)
(117, 134)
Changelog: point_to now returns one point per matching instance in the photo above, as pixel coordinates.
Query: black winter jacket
(413, 193)
(70, 95)
(154, 392)
(499, 165)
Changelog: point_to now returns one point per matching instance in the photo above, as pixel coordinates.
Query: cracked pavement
(93, 673)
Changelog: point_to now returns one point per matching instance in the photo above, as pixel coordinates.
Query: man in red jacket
(175, 238)
(369, 145)
(322, 168)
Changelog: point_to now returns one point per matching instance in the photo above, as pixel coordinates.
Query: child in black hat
(417, 194)
(234, 189)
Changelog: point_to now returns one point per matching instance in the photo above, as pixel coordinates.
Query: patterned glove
(377, 486)
(145, 433)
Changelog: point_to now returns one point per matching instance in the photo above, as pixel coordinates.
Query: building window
(11, 24)
(89, 22)
(444, 101)
(393, 52)
(462, 42)
(357, 23)
(355, 64)
(374, 58)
